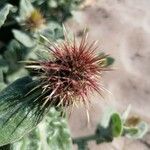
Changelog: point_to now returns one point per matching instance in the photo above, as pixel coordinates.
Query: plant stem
(82, 141)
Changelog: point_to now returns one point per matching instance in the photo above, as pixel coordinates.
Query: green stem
(84, 139)
(101, 135)
(82, 142)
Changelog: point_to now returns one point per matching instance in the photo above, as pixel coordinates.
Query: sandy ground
(123, 30)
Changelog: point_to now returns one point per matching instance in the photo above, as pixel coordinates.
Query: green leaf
(3, 13)
(109, 61)
(25, 8)
(3, 69)
(103, 134)
(116, 125)
(136, 132)
(15, 52)
(3, 64)
(17, 74)
(110, 126)
(106, 116)
(130, 132)
(51, 134)
(24, 38)
(53, 3)
(53, 31)
(16, 116)
(2, 84)
(58, 133)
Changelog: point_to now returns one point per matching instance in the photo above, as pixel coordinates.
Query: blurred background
(122, 28)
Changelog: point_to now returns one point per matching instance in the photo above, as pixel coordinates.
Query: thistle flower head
(35, 20)
(73, 73)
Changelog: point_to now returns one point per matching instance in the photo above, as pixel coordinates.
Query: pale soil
(123, 30)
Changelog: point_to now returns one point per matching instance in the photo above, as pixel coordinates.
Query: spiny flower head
(73, 72)
(35, 20)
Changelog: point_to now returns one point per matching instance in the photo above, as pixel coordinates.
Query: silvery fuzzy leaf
(4, 12)
(24, 38)
(26, 8)
(51, 134)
